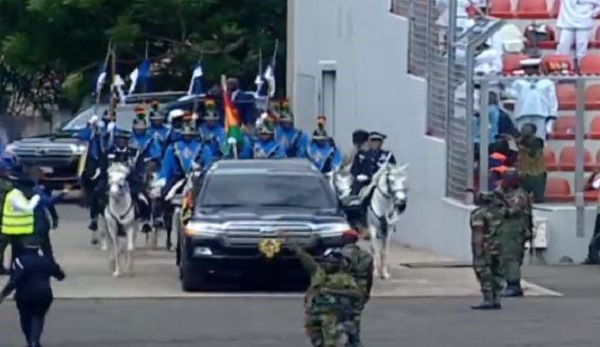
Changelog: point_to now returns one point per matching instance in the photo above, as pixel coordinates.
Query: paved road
(233, 322)
(149, 309)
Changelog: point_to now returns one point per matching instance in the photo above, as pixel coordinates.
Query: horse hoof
(104, 248)
(385, 275)
(116, 274)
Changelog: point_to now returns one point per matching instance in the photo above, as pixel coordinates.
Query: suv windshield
(125, 117)
(266, 190)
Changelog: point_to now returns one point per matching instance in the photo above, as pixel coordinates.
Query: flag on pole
(140, 75)
(118, 82)
(265, 84)
(233, 123)
(196, 81)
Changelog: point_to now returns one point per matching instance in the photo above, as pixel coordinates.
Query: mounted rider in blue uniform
(147, 146)
(322, 154)
(158, 130)
(368, 162)
(122, 152)
(266, 147)
(176, 121)
(293, 140)
(212, 131)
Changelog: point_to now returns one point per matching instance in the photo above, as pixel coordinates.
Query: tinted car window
(125, 117)
(266, 190)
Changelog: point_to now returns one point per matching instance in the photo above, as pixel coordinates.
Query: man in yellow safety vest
(17, 211)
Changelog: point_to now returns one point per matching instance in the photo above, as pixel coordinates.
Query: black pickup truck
(239, 210)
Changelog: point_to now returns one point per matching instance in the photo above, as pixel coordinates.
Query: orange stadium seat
(512, 62)
(532, 9)
(594, 132)
(550, 158)
(592, 97)
(552, 62)
(550, 42)
(564, 128)
(566, 161)
(558, 190)
(555, 8)
(590, 64)
(567, 96)
(501, 9)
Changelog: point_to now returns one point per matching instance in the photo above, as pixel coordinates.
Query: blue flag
(196, 81)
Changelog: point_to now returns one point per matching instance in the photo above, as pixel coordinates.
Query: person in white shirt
(575, 21)
(536, 100)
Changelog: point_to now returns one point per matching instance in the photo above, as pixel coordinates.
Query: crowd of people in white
(533, 97)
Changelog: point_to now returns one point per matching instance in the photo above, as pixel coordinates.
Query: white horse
(388, 201)
(120, 216)
(341, 183)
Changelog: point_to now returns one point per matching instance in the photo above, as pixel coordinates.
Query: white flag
(270, 77)
(196, 74)
(133, 77)
(118, 82)
(100, 82)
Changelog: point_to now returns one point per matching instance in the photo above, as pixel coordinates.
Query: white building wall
(368, 47)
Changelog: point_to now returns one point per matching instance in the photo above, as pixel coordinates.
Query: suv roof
(264, 165)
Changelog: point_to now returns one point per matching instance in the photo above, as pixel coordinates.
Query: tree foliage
(49, 41)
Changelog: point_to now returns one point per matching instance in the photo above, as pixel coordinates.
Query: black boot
(496, 300)
(513, 289)
(487, 304)
(93, 226)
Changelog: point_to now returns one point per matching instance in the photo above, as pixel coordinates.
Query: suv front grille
(45, 153)
(250, 234)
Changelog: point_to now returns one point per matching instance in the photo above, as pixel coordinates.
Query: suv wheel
(191, 281)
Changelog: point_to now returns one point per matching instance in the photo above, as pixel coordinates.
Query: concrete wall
(368, 47)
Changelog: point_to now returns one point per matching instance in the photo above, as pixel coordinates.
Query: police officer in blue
(266, 147)
(294, 141)
(31, 274)
(177, 122)
(147, 146)
(380, 156)
(322, 154)
(367, 162)
(122, 152)
(212, 131)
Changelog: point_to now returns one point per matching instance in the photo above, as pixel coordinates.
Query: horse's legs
(374, 249)
(103, 230)
(131, 233)
(385, 246)
(116, 247)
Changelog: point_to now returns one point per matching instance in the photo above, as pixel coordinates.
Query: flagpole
(273, 60)
(145, 58)
(113, 72)
(106, 59)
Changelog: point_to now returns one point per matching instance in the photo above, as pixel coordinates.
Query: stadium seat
(512, 62)
(594, 132)
(501, 9)
(552, 62)
(590, 64)
(532, 9)
(549, 43)
(558, 190)
(567, 96)
(564, 128)
(592, 97)
(555, 8)
(550, 158)
(566, 160)
(591, 195)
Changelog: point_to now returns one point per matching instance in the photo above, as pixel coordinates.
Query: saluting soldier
(266, 147)
(322, 154)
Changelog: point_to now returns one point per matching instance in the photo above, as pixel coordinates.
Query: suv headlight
(205, 229)
(78, 149)
(333, 229)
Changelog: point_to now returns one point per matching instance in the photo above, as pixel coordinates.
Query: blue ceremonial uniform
(179, 158)
(160, 134)
(31, 274)
(294, 141)
(324, 157)
(214, 136)
(379, 158)
(269, 149)
(147, 146)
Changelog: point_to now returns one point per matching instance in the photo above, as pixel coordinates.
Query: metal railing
(580, 83)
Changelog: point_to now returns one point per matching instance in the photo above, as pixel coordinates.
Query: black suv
(238, 211)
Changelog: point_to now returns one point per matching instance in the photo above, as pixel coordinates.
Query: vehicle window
(266, 190)
(125, 116)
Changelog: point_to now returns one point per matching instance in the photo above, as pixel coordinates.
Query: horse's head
(341, 182)
(392, 182)
(117, 179)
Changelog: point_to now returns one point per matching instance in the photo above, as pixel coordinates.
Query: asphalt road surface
(421, 306)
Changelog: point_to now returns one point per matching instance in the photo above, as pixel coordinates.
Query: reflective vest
(13, 222)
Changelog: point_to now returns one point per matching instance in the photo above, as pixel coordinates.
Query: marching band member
(212, 131)
(322, 154)
(293, 140)
(266, 147)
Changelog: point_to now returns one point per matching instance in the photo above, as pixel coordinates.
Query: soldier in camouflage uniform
(331, 295)
(515, 231)
(360, 266)
(486, 221)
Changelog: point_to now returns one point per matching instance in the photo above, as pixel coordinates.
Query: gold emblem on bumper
(269, 247)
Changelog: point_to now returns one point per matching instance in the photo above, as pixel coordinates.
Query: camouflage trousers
(322, 329)
(490, 273)
(350, 323)
(513, 251)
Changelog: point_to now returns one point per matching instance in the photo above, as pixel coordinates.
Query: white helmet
(93, 120)
(176, 114)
